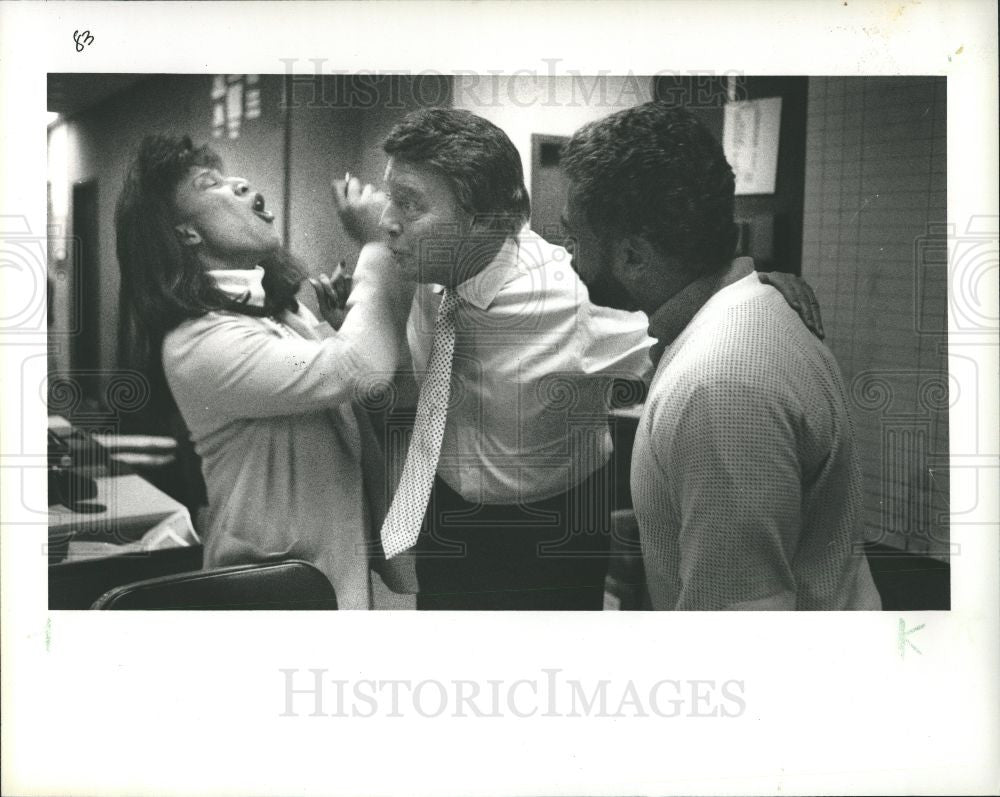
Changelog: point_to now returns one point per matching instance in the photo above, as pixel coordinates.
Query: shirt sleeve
(226, 366)
(734, 472)
(614, 343)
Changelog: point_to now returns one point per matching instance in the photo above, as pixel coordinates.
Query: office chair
(77, 584)
(290, 584)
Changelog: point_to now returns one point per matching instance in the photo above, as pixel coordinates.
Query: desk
(128, 515)
(625, 583)
(135, 517)
(631, 413)
(622, 422)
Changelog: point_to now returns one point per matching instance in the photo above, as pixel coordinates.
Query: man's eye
(405, 205)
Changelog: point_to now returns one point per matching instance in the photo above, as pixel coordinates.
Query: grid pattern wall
(874, 238)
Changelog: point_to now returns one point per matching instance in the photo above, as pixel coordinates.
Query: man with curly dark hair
(745, 476)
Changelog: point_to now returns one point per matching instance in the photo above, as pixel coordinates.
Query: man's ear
(734, 239)
(475, 224)
(187, 235)
(633, 256)
(482, 224)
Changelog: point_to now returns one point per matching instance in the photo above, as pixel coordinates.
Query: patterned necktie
(405, 516)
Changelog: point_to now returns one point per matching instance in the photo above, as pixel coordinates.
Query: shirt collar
(666, 323)
(483, 288)
(241, 285)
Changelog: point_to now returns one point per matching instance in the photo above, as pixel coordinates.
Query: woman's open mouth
(258, 209)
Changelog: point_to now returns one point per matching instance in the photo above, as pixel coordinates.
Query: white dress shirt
(534, 362)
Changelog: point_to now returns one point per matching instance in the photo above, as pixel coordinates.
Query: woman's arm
(228, 366)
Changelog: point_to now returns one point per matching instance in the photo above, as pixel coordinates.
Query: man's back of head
(656, 171)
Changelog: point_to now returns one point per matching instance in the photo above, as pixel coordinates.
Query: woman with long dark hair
(208, 304)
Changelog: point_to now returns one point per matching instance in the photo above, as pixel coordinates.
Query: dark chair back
(279, 585)
(77, 584)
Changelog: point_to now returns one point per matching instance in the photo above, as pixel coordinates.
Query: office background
(859, 210)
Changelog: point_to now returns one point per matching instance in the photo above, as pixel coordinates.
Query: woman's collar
(243, 286)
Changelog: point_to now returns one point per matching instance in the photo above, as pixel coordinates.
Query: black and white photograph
(640, 406)
(253, 359)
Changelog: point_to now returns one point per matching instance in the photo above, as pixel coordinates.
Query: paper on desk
(175, 531)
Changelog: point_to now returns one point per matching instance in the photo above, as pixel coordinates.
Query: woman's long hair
(162, 282)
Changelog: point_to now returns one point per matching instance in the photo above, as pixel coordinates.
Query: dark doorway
(84, 347)
(548, 187)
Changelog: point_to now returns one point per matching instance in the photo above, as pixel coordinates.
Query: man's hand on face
(799, 296)
(359, 208)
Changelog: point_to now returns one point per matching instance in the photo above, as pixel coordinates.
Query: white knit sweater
(745, 475)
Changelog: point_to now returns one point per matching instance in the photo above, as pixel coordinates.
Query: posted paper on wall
(750, 140)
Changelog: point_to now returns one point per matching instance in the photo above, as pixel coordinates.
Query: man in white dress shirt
(745, 476)
(519, 515)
